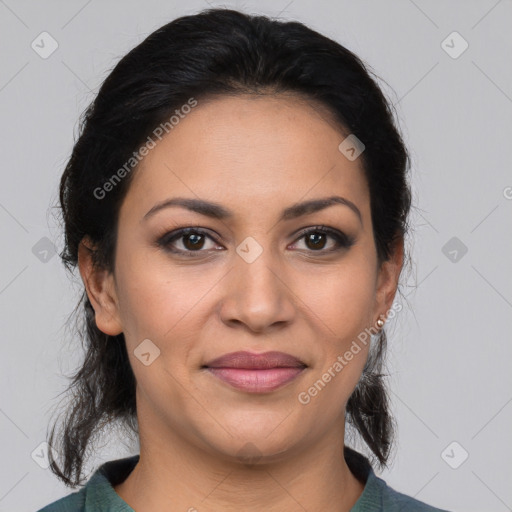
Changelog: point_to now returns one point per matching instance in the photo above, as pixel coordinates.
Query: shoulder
(74, 502)
(377, 494)
(98, 493)
(396, 501)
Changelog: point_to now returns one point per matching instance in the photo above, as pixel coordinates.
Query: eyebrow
(217, 211)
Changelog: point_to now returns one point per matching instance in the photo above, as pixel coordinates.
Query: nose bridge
(256, 294)
(259, 275)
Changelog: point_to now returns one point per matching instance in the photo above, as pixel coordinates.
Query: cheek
(340, 306)
(168, 305)
(155, 296)
(341, 300)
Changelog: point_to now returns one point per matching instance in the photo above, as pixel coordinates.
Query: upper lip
(250, 360)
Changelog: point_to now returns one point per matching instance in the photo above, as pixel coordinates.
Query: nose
(257, 296)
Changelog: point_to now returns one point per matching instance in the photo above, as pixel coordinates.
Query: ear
(387, 280)
(100, 288)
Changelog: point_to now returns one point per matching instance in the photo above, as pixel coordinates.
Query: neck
(176, 475)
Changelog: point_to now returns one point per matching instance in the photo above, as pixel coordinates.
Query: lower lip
(256, 381)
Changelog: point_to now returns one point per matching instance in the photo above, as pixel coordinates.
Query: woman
(237, 204)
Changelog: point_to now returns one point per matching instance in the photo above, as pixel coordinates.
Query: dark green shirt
(98, 494)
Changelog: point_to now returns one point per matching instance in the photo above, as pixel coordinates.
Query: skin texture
(255, 155)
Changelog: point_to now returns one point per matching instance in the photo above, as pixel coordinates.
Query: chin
(255, 446)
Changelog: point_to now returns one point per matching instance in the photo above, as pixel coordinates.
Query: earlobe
(99, 285)
(387, 282)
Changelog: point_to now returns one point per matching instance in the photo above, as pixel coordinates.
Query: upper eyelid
(180, 232)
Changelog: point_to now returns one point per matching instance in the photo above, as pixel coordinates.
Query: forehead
(250, 151)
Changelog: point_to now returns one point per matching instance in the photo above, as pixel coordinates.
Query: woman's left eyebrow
(217, 211)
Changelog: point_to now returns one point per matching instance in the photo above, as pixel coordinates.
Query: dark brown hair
(215, 52)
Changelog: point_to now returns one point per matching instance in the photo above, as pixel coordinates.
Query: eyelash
(344, 241)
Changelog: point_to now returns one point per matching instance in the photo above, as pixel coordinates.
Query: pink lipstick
(256, 373)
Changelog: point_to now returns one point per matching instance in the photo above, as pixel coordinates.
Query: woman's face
(248, 280)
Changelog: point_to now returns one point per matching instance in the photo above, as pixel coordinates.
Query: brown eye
(316, 239)
(193, 241)
(187, 242)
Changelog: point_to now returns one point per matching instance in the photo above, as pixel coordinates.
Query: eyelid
(343, 240)
(169, 236)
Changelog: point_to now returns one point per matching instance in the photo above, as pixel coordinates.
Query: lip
(256, 373)
(252, 361)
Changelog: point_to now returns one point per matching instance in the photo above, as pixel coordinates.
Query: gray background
(450, 350)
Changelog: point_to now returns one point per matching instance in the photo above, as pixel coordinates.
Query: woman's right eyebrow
(201, 206)
(217, 211)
